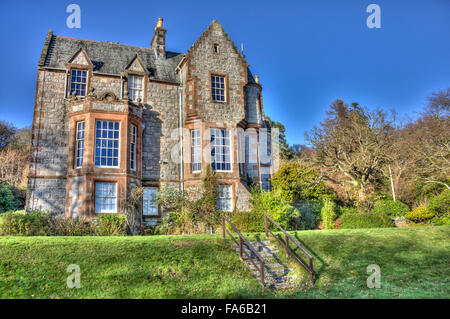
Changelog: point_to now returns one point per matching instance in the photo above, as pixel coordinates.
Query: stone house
(109, 116)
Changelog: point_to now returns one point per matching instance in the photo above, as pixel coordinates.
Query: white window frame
(113, 139)
(218, 87)
(222, 148)
(105, 211)
(135, 87)
(221, 197)
(196, 151)
(79, 143)
(146, 203)
(78, 82)
(133, 148)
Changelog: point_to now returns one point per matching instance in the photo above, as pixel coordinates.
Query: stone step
(275, 272)
(282, 285)
(273, 279)
(259, 248)
(270, 265)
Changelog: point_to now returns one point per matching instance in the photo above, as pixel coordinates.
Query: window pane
(218, 88)
(149, 204)
(105, 197)
(220, 150)
(224, 198)
(106, 144)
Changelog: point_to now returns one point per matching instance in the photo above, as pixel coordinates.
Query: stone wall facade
(176, 99)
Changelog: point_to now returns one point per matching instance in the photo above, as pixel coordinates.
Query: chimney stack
(158, 43)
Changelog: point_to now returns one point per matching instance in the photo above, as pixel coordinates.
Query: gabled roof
(112, 58)
(108, 58)
(206, 34)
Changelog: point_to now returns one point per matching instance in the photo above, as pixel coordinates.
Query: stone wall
(160, 119)
(49, 143)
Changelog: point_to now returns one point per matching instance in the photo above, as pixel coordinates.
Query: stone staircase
(277, 274)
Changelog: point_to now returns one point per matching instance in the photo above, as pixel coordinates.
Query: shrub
(296, 182)
(62, 226)
(34, 223)
(276, 207)
(440, 221)
(111, 225)
(8, 199)
(365, 220)
(252, 221)
(390, 208)
(328, 214)
(440, 204)
(190, 216)
(341, 210)
(420, 215)
(309, 214)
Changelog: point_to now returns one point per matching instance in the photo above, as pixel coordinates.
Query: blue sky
(306, 52)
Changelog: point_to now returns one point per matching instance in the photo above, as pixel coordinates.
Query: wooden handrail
(289, 251)
(242, 241)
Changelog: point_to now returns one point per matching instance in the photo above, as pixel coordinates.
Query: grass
(414, 262)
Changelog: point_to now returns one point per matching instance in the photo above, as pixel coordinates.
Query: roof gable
(214, 28)
(80, 58)
(136, 65)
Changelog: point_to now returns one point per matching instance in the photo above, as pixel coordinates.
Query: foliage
(186, 216)
(440, 204)
(14, 154)
(328, 213)
(309, 213)
(298, 182)
(252, 221)
(341, 210)
(111, 224)
(420, 214)
(353, 142)
(440, 221)
(9, 201)
(365, 220)
(276, 207)
(34, 223)
(132, 208)
(390, 207)
(62, 226)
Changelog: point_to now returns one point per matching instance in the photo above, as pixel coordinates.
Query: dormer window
(78, 80)
(135, 87)
(216, 48)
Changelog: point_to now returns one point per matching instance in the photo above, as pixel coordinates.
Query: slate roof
(111, 58)
(108, 58)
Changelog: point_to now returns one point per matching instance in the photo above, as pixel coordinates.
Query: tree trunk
(392, 182)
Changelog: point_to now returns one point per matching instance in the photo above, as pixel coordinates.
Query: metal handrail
(289, 251)
(242, 241)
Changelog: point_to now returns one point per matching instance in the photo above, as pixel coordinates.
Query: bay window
(220, 150)
(105, 197)
(107, 143)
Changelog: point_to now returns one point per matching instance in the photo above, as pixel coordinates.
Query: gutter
(180, 127)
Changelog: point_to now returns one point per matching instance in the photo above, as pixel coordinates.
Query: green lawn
(415, 263)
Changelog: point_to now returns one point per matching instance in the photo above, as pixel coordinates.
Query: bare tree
(354, 142)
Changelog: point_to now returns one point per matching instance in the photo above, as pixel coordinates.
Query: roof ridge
(111, 43)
